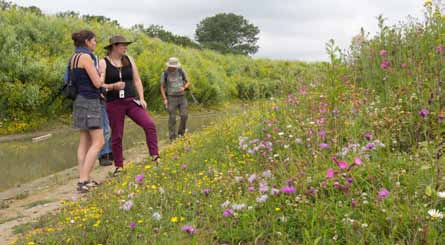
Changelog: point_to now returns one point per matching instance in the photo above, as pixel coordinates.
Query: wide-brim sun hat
(173, 62)
(118, 39)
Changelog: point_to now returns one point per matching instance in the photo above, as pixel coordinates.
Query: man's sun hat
(116, 40)
(173, 62)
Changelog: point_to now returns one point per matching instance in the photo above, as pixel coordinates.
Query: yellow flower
(278, 209)
(31, 243)
(174, 219)
(140, 221)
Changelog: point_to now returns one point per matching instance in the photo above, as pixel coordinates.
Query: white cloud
(290, 29)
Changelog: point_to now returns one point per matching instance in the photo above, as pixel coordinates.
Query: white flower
(298, 141)
(156, 216)
(281, 133)
(364, 225)
(289, 126)
(238, 206)
(225, 204)
(262, 199)
(286, 146)
(435, 214)
(441, 194)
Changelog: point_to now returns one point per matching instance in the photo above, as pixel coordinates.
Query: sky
(289, 29)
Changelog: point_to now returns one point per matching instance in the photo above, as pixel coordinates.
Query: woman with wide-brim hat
(125, 97)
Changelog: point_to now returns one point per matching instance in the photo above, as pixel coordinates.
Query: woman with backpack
(125, 97)
(87, 115)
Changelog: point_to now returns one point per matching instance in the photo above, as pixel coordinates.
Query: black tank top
(114, 74)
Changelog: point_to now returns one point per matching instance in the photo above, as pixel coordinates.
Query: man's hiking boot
(106, 160)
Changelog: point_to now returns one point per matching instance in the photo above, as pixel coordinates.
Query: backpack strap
(181, 73)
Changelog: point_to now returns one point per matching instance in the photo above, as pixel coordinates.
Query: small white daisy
(435, 214)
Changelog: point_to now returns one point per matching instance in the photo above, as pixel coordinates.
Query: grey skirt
(87, 113)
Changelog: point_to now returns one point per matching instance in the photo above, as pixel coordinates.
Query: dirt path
(43, 196)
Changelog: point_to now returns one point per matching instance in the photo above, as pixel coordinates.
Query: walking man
(174, 82)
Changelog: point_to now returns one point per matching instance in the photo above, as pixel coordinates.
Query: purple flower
(139, 178)
(275, 191)
(184, 166)
(358, 161)
(251, 188)
(127, 205)
(251, 178)
(404, 66)
(370, 146)
(206, 192)
(288, 189)
(132, 225)
(262, 199)
(322, 133)
(349, 180)
(263, 187)
(383, 193)
(324, 146)
(423, 112)
(189, 229)
(383, 53)
(440, 49)
(228, 212)
(368, 136)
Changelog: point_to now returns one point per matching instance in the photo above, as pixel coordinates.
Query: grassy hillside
(37, 47)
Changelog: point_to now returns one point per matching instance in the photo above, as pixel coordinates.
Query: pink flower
(252, 178)
(383, 193)
(385, 64)
(324, 146)
(440, 49)
(288, 189)
(342, 165)
(228, 212)
(275, 191)
(184, 166)
(206, 192)
(330, 173)
(354, 203)
(423, 112)
(383, 53)
(251, 188)
(139, 178)
(189, 229)
(358, 161)
(404, 66)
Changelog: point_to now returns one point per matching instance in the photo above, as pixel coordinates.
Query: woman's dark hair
(80, 37)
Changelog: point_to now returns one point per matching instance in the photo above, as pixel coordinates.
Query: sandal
(117, 171)
(157, 160)
(82, 187)
(92, 183)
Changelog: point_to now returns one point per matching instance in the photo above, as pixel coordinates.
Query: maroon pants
(116, 110)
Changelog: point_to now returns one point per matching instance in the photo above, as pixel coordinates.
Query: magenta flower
(383, 193)
(322, 133)
(354, 203)
(342, 165)
(263, 187)
(350, 180)
(367, 136)
(440, 49)
(139, 178)
(358, 161)
(189, 229)
(330, 173)
(324, 146)
(206, 192)
(251, 188)
(184, 166)
(423, 112)
(288, 189)
(383, 53)
(404, 66)
(228, 212)
(132, 225)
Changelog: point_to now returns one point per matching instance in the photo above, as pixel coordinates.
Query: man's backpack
(69, 88)
(181, 73)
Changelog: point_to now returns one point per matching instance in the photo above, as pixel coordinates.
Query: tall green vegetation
(36, 48)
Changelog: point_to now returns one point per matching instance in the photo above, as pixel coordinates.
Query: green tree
(228, 33)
